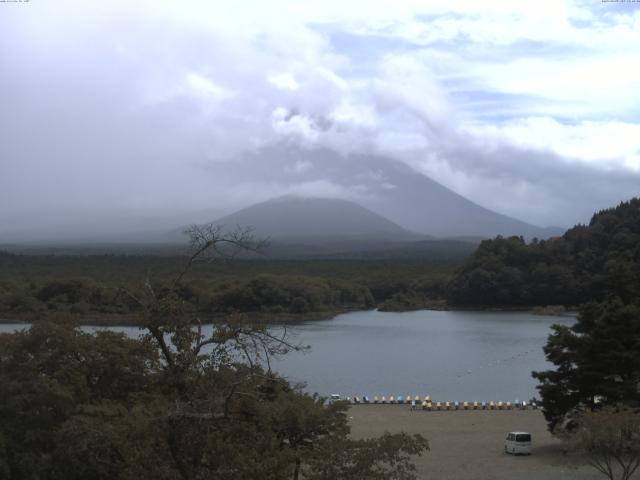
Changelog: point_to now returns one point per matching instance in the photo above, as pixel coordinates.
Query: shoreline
(129, 320)
(267, 318)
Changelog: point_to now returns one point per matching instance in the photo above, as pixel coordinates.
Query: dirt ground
(469, 444)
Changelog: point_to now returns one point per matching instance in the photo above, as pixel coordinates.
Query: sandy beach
(468, 445)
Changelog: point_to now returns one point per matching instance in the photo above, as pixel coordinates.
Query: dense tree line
(263, 293)
(35, 286)
(293, 294)
(587, 263)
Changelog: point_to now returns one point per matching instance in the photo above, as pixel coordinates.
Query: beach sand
(469, 444)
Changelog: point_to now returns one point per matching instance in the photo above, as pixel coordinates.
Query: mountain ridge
(320, 219)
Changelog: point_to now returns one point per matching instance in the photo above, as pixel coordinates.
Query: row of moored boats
(427, 404)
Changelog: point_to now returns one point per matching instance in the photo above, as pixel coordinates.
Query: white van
(518, 443)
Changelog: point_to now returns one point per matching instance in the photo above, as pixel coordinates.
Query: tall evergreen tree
(597, 362)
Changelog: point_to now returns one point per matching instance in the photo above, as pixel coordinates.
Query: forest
(588, 263)
(90, 286)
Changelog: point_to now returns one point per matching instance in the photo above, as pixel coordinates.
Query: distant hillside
(586, 263)
(317, 221)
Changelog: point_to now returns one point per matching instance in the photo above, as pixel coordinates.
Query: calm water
(448, 355)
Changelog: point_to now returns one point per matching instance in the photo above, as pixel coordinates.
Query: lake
(450, 355)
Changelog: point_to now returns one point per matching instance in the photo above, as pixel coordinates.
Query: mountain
(330, 228)
(317, 221)
(401, 204)
(424, 205)
(388, 187)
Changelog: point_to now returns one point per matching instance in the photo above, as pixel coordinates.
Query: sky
(119, 111)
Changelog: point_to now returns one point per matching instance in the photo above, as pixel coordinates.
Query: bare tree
(209, 242)
(178, 332)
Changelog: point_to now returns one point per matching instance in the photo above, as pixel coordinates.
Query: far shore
(468, 445)
(132, 320)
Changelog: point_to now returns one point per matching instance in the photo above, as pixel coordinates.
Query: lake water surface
(451, 355)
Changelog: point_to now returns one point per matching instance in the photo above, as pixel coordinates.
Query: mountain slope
(426, 206)
(387, 187)
(316, 220)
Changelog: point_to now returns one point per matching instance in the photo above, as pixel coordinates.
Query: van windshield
(523, 437)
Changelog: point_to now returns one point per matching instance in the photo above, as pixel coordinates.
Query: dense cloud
(118, 111)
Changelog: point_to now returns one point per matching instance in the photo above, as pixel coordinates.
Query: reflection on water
(448, 355)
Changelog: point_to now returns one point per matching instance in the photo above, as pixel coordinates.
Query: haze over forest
(123, 121)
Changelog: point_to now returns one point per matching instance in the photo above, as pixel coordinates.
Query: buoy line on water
(494, 363)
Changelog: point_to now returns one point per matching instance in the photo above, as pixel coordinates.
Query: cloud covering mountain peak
(147, 107)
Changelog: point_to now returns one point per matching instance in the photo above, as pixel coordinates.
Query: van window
(523, 437)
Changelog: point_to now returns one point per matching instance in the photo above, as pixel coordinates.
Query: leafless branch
(209, 238)
(181, 344)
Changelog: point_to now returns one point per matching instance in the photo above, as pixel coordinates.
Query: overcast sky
(119, 109)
